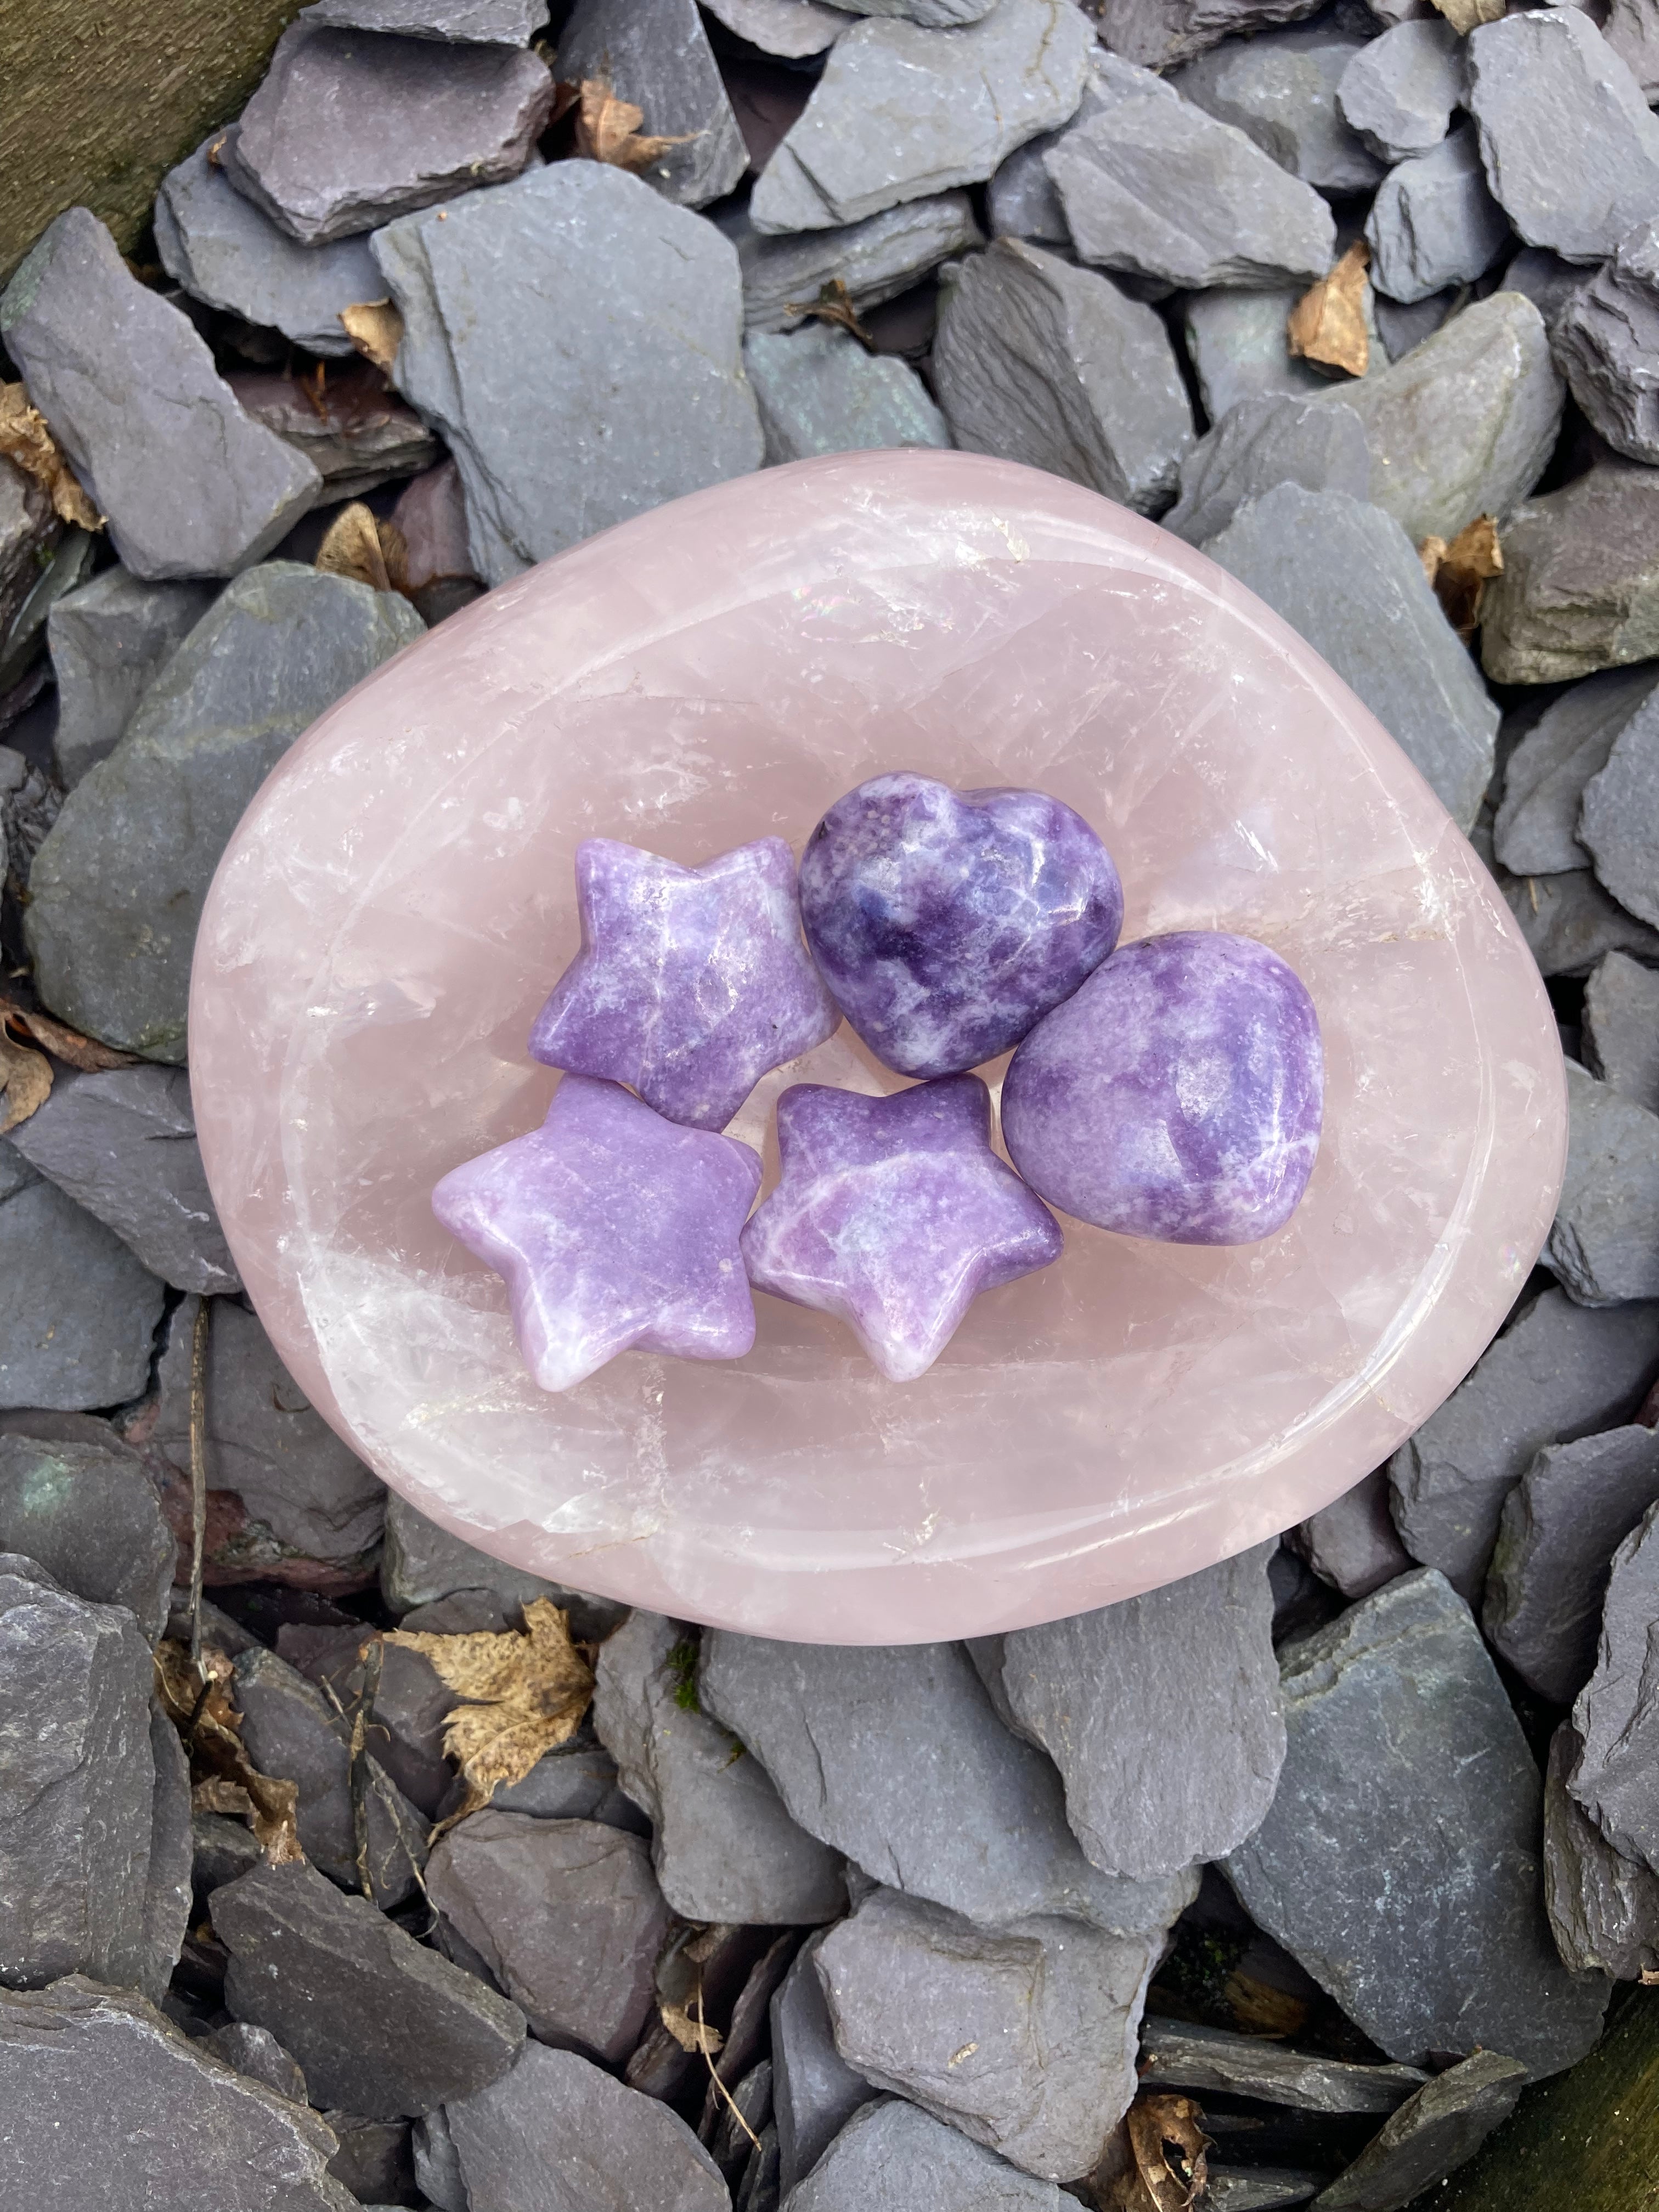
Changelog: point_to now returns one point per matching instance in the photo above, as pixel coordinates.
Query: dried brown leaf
(523, 1695)
(608, 130)
(1328, 324)
(82, 1052)
(1466, 15)
(25, 1082)
(834, 305)
(1258, 2008)
(197, 1698)
(687, 2029)
(1156, 2161)
(357, 545)
(26, 439)
(376, 329)
(1460, 572)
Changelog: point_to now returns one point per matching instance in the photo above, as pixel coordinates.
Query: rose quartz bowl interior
(398, 900)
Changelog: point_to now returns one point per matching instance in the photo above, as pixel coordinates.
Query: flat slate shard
(1352, 1543)
(458, 22)
(411, 1704)
(1621, 1028)
(1625, 851)
(875, 259)
(1617, 1711)
(75, 1818)
(223, 249)
(659, 58)
(1431, 2136)
(724, 1846)
(1235, 341)
(902, 112)
(356, 434)
(1580, 586)
(381, 2026)
(1434, 224)
(190, 487)
(1547, 281)
(814, 2091)
(348, 131)
(893, 1754)
(1631, 29)
(167, 1881)
(104, 2102)
(108, 638)
(121, 1142)
(623, 316)
(1604, 1245)
(1556, 1374)
(1398, 92)
(424, 1562)
(1346, 576)
(1025, 2039)
(1606, 343)
(1401, 328)
(1153, 186)
(1156, 33)
(1182, 2054)
(1570, 150)
(256, 2052)
(1110, 1694)
(1399, 1863)
(1562, 1523)
(1279, 88)
(1537, 831)
(894, 2157)
(556, 2134)
(819, 392)
(78, 1312)
(118, 886)
(1604, 1907)
(1037, 361)
(794, 30)
(88, 1514)
(1268, 439)
(29, 533)
(1020, 199)
(1463, 425)
(1258, 2188)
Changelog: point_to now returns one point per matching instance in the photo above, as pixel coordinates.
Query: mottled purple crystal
(893, 1214)
(612, 1228)
(691, 983)
(947, 922)
(1177, 1096)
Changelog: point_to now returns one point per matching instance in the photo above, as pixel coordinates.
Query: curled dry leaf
(84, 1053)
(523, 1695)
(25, 1081)
(1156, 2161)
(608, 129)
(1328, 323)
(25, 439)
(834, 305)
(1258, 2008)
(357, 545)
(684, 2024)
(1460, 572)
(196, 1700)
(376, 329)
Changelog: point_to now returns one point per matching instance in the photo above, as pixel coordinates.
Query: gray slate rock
(1156, 33)
(1398, 92)
(893, 2157)
(1106, 1694)
(1464, 424)
(1037, 361)
(901, 111)
(1235, 341)
(1344, 575)
(1604, 1244)
(107, 2103)
(438, 2163)
(794, 30)
(1547, 281)
(348, 131)
(75, 1819)
(256, 2052)
(1434, 224)
(1268, 439)
(1621, 1028)
(1562, 1523)
(1580, 586)
(814, 2091)
(411, 1704)
(191, 486)
(568, 1917)
(1624, 849)
(1400, 1860)
(126, 867)
(221, 1850)
(373, 2159)
(356, 434)
(660, 58)
(1352, 1543)
(1604, 1907)
(1401, 328)
(724, 1846)
(875, 259)
(1020, 199)
(223, 249)
(380, 2025)
(423, 1563)
(168, 1880)
(67, 554)
(457, 22)
(1280, 89)
(932, 15)
(625, 316)
(1537, 831)
(78, 1313)
(1431, 2136)
(1571, 152)
(1617, 1711)
(1152, 184)
(1024, 2039)
(819, 392)
(122, 1142)
(556, 2134)
(1182, 2054)
(1556, 1374)
(108, 639)
(29, 533)
(1607, 344)
(1631, 29)
(88, 1515)
(893, 1754)
(1258, 2188)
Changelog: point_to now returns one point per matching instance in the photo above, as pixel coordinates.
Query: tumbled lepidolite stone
(947, 922)
(1177, 1096)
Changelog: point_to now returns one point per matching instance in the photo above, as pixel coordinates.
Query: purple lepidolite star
(613, 1227)
(691, 983)
(893, 1214)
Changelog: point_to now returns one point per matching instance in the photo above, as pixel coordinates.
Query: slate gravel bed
(1309, 1863)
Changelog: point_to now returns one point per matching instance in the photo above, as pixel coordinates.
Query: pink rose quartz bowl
(398, 900)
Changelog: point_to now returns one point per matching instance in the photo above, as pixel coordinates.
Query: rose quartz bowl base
(398, 900)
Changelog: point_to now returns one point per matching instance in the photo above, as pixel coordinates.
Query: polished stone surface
(894, 1214)
(389, 914)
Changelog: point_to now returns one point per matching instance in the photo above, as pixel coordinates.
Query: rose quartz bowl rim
(985, 1579)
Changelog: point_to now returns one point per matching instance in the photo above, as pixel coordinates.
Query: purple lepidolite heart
(947, 922)
(1177, 1096)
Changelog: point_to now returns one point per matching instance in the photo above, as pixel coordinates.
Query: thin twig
(714, 2070)
(198, 1363)
(373, 1652)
